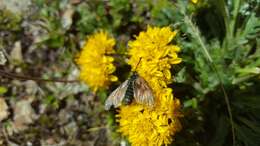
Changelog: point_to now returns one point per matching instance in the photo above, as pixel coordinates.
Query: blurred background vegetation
(220, 50)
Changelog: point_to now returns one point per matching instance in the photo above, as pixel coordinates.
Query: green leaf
(191, 103)
(181, 76)
(249, 70)
(102, 94)
(3, 90)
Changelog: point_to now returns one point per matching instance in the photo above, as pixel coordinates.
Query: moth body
(135, 88)
(129, 94)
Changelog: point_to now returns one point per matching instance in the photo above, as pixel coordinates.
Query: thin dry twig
(20, 77)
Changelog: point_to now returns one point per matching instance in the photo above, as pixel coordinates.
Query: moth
(134, 88)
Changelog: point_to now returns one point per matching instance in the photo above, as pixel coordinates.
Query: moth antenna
(138, 63)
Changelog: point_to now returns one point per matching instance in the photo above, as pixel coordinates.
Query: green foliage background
(220, 48)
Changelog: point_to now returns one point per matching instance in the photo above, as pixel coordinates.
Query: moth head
(135, 75)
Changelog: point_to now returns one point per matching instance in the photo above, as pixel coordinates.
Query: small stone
(16, 53)
(2, 58)
(3, 109)
(24, 114)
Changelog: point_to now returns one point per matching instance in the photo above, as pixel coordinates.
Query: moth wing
(142, 92)
(116, 97)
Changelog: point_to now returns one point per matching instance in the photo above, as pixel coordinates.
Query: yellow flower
(145, 125)
(96, 66)
(194, 1)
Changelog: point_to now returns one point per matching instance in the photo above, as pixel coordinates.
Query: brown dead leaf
(75, 1)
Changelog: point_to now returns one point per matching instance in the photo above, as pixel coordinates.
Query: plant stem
(226, 16)
(227, 104)
(203, 46)
(197, 35)
(236, 4)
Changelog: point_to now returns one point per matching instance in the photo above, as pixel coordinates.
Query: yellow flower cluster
(96, 66)
(153, 126)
